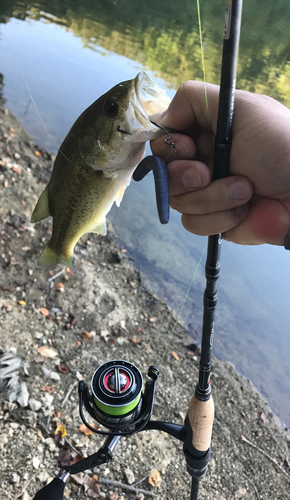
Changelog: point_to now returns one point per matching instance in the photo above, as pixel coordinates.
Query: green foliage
(163, 35)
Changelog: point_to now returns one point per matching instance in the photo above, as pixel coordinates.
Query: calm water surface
(68, 55)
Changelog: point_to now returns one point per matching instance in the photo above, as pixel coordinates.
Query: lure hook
(168, 140)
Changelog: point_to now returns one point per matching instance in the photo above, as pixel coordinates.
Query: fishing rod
(116, 399)
(199, 420)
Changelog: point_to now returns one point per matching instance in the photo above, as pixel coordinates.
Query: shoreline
(107, 298)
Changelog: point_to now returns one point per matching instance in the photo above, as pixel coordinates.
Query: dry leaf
(59, 287)
(44, 311)
(63, 368)
(92, 489)
(173, 353)
(64, 456)
(48, 388)
(77, 458)
(134, 341)
(60, 431)
(155, 479)
(84, 429)
(47, 352)
(87, 336)
(38, 154)
(22, 302)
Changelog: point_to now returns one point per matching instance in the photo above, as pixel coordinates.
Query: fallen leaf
(132, 284)
(87, 336)
(64, 456)
(173, 353)
(48, 388)
(77, 458)
(69, 271)
(44, 311)
(57, 414)
(152, 320)
(155, 479)
(63, 368)
(8, 307)
(60, 431)
(92, 489)
(22, 302)
(38, 154)
(59, 287)
(134, 341)
(5, 183)
(78, 343)
(84, 429)
(47, 352)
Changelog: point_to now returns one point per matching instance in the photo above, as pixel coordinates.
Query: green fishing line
(202, 56)
(183, 303)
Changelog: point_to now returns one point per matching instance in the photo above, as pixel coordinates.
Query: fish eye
(111, 108)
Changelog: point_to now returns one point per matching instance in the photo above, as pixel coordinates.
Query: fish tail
(49, 258)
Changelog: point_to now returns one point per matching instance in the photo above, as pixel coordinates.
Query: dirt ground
(102, 312)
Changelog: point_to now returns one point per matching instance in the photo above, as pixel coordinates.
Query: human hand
(252, 205)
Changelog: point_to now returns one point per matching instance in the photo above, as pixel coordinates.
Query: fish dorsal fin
(120, 194)
(41, 210)
(100, 228)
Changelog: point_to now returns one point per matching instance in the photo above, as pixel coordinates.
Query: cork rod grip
(201, 416)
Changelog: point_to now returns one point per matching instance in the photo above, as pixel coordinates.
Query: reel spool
(117, 401)
(116, 389)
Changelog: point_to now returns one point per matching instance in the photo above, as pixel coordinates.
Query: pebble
(15, 478)
(129, 476)
(34, 405)
(35, 462)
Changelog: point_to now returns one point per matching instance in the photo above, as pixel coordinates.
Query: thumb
(190, 110)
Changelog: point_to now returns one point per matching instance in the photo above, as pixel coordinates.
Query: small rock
(15, 478)
(34, 404)
(129, 476)
(49, 373)
(35, 462)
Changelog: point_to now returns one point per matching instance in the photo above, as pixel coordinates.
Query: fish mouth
(148, 99)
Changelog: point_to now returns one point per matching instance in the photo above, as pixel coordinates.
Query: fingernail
(240, 190)
(191, 178)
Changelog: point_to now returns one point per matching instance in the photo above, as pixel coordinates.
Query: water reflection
(70, 53)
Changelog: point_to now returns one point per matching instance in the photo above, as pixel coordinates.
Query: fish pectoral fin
(41, 210)
(100, 228)
(120, 194)
(90, 182)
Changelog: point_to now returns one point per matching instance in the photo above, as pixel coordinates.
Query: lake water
(68, 55)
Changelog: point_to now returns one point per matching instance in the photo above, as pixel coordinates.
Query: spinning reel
(116, 401)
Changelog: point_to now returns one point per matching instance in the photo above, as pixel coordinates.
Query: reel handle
(52, 491)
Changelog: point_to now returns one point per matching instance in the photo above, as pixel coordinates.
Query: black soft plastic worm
(160, 173)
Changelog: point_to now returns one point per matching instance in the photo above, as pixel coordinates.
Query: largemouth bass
(95, 162)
